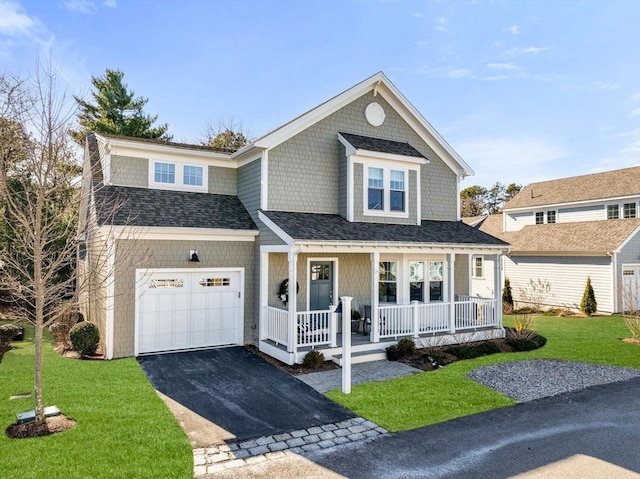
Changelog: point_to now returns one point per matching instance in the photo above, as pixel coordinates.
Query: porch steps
(362, 356)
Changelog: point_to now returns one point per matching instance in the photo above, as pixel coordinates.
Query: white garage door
(186, 309)
(631, 287)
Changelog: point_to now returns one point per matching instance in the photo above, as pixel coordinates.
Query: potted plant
(355, 321)
(394, 352)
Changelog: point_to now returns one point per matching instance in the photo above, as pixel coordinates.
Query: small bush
(85, 338)
(525, 310)
(633, 323)
(588, 305)
(313, 359)
(62, 326)
(7, 334)
(527, 344)
(470, 351)
(406, 346)
(507, 297)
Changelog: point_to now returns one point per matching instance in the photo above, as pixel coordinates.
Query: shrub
(470, 351)
(527, 344)
(633, 323)
(535, 293)
(406, 346)
(313, 359)
(524, 327)
(85, 338)
(588, 305)
(507, 297)
(525, 310)
(7, 334)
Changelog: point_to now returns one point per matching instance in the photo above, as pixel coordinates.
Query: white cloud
(13, 20)
(460, 73)
(534, 50)
(606, 85)
(82, 6)
(513, 30)
(502, 66)
(415, 15)
(441, 24)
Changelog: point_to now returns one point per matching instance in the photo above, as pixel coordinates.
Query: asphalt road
(592, 433)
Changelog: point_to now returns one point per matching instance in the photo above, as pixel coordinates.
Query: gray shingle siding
(304, 171)
(129, 171)
(222, 181)
(248, 189)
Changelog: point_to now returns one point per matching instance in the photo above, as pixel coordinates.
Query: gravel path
(537, 378)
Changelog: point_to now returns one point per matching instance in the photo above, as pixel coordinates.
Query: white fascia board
(386, 247)
(178, 234)
(618, 250)
(597, 201)
(572, 253)
(279, 232)
(264, 181)
(249, 156)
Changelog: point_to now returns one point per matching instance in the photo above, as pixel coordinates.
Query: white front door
(630, 288)
(186, 309)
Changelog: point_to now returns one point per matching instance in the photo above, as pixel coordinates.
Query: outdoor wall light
(193, 256)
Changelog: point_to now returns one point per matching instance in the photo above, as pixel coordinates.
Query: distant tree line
(477, 200)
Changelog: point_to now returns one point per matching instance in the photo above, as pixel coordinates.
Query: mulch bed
(295, 369)
(51, 425)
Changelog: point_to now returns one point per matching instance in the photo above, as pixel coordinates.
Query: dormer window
(376, 189)
(192, 175)
(164, 173)
(174, 175)
(386, 190)
(397, 190)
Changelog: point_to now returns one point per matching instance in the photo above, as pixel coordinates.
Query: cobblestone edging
(212, 459)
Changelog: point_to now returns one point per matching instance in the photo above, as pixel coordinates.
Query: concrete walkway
(324, 381)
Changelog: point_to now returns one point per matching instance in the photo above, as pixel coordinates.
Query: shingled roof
(609, 184)
(327, 227)
(360, 142)
(121, 205)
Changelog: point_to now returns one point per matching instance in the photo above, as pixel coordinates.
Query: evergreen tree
(507, 297)
(116, 111)
(588, 305)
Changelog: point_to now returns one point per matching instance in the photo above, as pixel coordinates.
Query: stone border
(216, 458)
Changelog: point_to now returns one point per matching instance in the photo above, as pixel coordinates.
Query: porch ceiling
(327, 229)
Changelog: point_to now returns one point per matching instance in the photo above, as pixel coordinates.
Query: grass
(431, 397)
(123, 428)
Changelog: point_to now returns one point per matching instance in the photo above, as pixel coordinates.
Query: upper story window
(539, 217)
(551, 216)
(386, 190)
(629, 210)
(164, 173)
(477, 267)
(613, 212)
(178, 176)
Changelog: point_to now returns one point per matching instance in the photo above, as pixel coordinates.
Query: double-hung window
(629, 210)
(192, 175)
(386, 190)
(416, 281)
(176, 175)
(164, 173)
(539, 217)
(551, 216)
(436, 281)
(477, 267)
(388, 282)
(613, 212)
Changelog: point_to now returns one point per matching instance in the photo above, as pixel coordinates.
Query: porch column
(375, 276)
(470, 275)
(451, 259)
(293, 293)
(497, 287)
(264, 293)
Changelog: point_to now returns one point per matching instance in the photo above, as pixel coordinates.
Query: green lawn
(124, 429)
(436, 396)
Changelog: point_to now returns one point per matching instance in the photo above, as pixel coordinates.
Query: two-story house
(189, 247)
(563, 231)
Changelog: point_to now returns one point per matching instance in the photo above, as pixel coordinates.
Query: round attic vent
(374, 114)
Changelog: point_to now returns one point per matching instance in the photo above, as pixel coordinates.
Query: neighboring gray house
(563, 231)
(357, 197)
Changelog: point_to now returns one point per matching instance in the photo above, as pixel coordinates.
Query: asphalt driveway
(240, 392)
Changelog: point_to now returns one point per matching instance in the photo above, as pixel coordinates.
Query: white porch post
(375, 276)
(264, 293)
(414, 317)
(452, 292)
(497, 287)
(470, 275)
(333, 328)
(346, 344)
(293, 281)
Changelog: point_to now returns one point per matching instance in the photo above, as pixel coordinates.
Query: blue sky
(524, 91)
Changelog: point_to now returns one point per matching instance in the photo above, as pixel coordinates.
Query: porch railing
(476, 313)
(315, 328)
(276, 325)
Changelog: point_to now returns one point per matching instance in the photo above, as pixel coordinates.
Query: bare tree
(227, 135)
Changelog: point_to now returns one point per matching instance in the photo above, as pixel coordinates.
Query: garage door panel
(178, 310)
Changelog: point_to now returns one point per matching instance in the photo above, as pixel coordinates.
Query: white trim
(246, 159)
(178, 234)
(598, 201)
(264, 291)
(264, 181)
(350, 189)
(458, 205)
(334, 293)
(386, 190)
(110, 297)
(473, 272)
(276, 229)
(275, 248)
(419, 199)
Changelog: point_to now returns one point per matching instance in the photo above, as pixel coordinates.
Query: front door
(320, 285)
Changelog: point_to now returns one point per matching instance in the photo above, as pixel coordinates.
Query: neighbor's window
(539, 217)
(192, 175)
(551, 216)
(477, 267)
(164, 173)
(397, 190)
(416, 281)
(629, 210)
(388, 282)
(435, 281)
(613, 212)
(376, 189)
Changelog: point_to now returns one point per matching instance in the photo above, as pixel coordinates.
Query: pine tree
(588, 305)
(116, 111)
(507, 297)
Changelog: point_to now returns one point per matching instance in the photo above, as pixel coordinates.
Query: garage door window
(206, 282)
(166, 283)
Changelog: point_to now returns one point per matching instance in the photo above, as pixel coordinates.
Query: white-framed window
(478, 265)
(416, 281)
(629, 210)
(613, 212)
(436, 281)
(386, 190)
(539, 217)
(551, 216)
(175, 175)
(388, 282)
